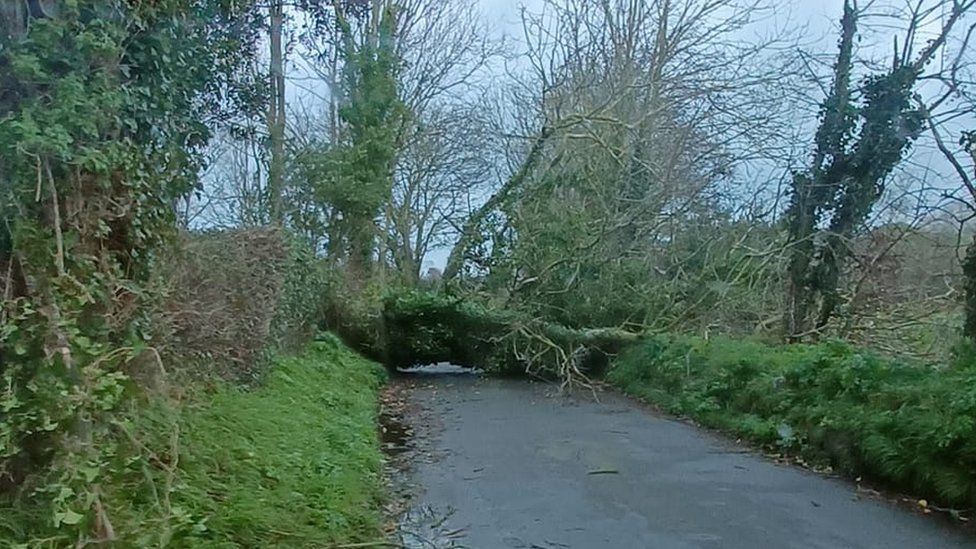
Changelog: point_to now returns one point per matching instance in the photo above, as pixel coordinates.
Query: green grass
(296, 462)
(293, 463)
(906, 424)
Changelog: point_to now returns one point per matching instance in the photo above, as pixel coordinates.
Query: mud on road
(489, 463)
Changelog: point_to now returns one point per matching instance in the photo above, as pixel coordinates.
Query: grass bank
(294, 462)
(909, 425)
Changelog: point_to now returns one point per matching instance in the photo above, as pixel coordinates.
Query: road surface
(506, 464)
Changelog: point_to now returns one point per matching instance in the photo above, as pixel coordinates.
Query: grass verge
(293, 463)
(906, 424)
(296, 462)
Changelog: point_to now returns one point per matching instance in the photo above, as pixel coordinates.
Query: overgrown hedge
(217, 307)
(232, 298)
(909, 425)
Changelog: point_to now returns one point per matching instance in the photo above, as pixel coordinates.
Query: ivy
(361, 166)
(104, 113)
(861, 138)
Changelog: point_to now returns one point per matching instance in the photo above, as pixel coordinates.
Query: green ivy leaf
(68, 517)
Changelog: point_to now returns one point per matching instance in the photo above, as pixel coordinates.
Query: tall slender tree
(371, 113)
(276, 113)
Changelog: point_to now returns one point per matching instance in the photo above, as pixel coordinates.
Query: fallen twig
(368, 544)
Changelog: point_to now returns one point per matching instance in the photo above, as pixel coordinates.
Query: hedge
(907, 424)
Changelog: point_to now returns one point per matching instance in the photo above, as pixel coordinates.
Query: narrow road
(504, 464)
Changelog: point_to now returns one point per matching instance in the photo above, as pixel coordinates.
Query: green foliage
(904, 423)
(360, 169)
(299, 307)
(295, 462)
(425, 328)
(581, 236)
(559, 262)
(103, 111)
(353, 309)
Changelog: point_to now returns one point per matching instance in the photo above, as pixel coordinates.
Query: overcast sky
(814, 22)
(820, 15)
(817, 16)
(817, 20)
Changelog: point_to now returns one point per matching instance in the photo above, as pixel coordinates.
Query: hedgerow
(226, 321)
(105, 109)
(907, 424)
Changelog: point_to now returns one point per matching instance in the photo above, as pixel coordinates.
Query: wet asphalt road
(514, 467)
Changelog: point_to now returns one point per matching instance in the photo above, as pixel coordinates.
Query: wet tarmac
(493, 463)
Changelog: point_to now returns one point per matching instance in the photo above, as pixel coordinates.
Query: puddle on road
(423, 527)
(403, 433)
(395, 436)
(442, 369)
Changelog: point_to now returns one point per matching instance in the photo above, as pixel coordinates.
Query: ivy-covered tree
(863, 135)
(371, 115)
(105, 107)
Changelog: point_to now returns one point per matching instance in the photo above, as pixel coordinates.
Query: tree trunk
(969, 288)
(469, 233)
(276, 116)
(812, 190)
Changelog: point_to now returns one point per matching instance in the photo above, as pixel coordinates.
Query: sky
(816, 20)
(820, 15)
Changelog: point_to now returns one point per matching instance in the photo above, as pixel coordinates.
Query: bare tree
(441, 164)
(951, 112)
(446, 51)
(647, 107)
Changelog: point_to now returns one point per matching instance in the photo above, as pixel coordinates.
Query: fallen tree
(426, 328)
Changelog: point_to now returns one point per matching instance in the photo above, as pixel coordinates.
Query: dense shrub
(221, 292)
(907, 424)
(300, 307)
(403, 327)
(425, 328)
(107, 108)
(232, 297)
(353, 309)
(218, 305)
